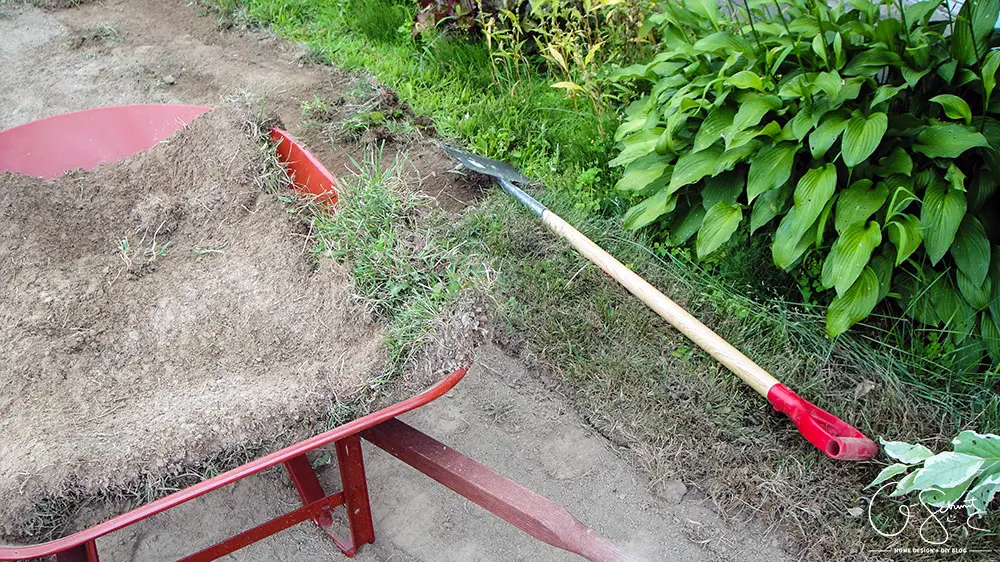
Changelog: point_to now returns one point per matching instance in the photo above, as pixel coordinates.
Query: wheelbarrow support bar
(508, 500)
(835, 437)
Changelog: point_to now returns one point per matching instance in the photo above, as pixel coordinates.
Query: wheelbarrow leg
(535, 515)
(355, 493)
(356, 501)
(86, 552)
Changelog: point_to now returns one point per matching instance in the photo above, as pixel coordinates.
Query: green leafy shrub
(971, 471)
(864, 135)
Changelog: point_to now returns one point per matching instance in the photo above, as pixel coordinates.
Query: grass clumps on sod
(403, 263)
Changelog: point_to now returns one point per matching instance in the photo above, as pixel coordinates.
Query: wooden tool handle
(741, 365)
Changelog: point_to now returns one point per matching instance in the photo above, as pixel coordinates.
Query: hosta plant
(967, 476)
(863, 135)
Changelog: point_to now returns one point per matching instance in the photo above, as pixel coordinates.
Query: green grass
(403, 264)
(449, 78)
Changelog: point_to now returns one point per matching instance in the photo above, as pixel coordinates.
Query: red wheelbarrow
(49, 147)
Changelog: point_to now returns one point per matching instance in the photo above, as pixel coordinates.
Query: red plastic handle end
(830, 434)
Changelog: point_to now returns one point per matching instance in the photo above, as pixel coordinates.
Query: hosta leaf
(850, 255)
(971, 250)
(789, 242)
(824, 217)
(945, 497)
(642, 172)
(725, 187)
(745, 80)
(902, 198)
(990, 66)
(905, 485)
(687, 226)
(897, 162)
(984, 18)
(770, 169)
(888, 472)
(948, 140)
(637, 144)
(812, 193)
(854, 305)
(884, 94)
(870, 62)
(801, 124)
(976, 294)
(947, 470)
(979, 444)
(862, 136)
(904, 233)
(850, 90)
(731, 157)
(722, 42)
(859, 202)
(694, 166)
(947, 70)
(769, 205)
(906, 453)
(752, 109)
(940, 218)
(981, 495)
(955, 177)
(919, 13)
(826, 134)
(708, 9)
(717, 122)
(828, 82)
(720, 222)
(819, 48)
(954, 107)
(649, 209)
(912, 76)
(883, 267)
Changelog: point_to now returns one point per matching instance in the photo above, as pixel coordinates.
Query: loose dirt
(506, 413)
(160, 312)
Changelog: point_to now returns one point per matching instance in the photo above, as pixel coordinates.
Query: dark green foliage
(859, 136)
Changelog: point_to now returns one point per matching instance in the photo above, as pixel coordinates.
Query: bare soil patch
(159, 312)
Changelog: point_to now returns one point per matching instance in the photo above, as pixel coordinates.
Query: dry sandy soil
(505, 414)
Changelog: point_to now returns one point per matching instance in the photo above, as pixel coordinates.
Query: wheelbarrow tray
(49, 147)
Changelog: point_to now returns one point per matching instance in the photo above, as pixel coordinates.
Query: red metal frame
(80, 546)
(533, 514)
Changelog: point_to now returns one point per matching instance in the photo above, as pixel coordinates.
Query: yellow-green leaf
(954, 107)
(718, 226)
(770, 169)
(948, 140)
(862, 136)
(904, 233)
(941, 216)
(826, 134)
(859, 202)
(693, 166)
(854, 305)
(850, 255)
(649, 210)
(568, 86)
